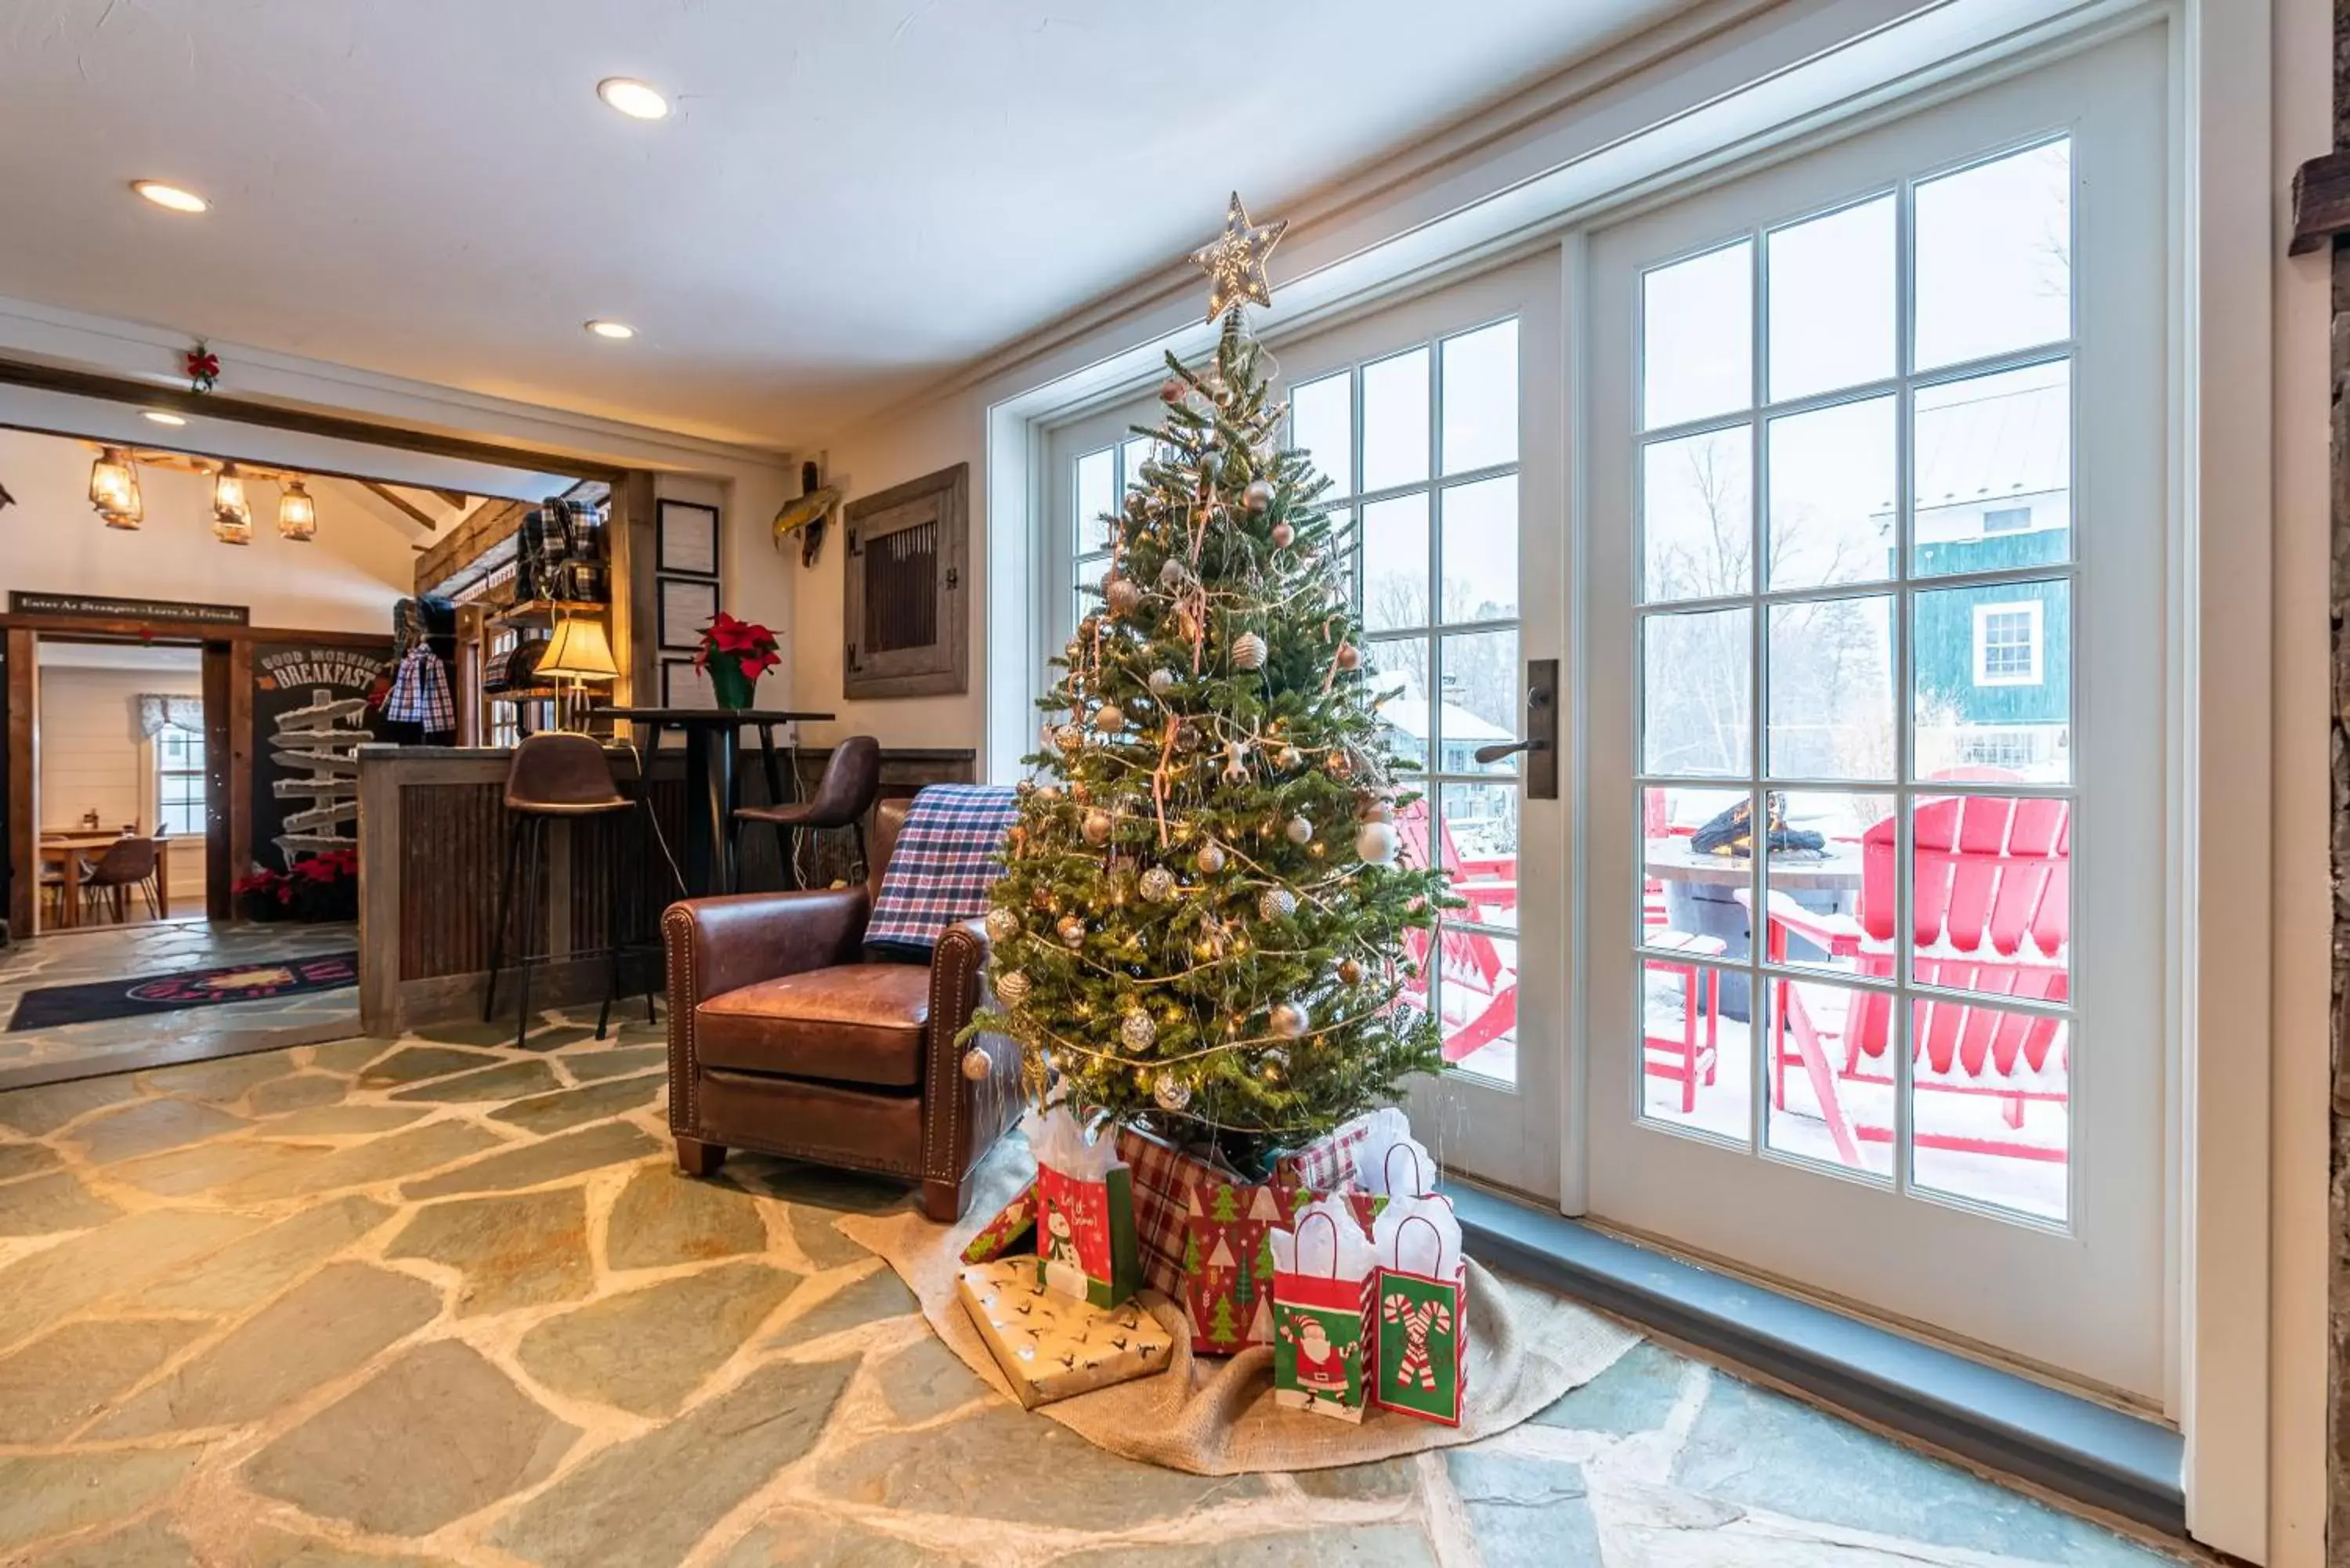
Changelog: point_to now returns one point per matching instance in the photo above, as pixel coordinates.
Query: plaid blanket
(948, 854)
(1164, 1178)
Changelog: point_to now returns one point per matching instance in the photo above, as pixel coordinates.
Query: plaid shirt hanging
(420, 693)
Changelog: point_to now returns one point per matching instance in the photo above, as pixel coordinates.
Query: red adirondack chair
(1472, 961)
(1991, 892)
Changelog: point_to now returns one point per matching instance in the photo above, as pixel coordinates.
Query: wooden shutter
(907, 585)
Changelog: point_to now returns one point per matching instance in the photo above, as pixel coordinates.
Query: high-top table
(713, 748)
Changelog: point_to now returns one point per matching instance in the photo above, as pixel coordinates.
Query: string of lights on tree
(1203, 925)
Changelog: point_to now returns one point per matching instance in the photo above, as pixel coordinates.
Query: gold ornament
(1012, 988)
(1291, 758)
(1123, 594)
(977, 1065)
(1158, 883)
(1290, 1019)
(1170, 1093)
(1351, 970)
(1273, 1063)
(1069, 738)
(1235, 262)
(1276, 904)
(1072, 930)
(1211, 858)
(1248, 651)
(1110, 718)
(1096, 829)
(1002, 925)
(1283, 535)
(1138, 1030)
(1340, 764)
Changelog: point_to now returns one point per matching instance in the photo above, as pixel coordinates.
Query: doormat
(53, 1006)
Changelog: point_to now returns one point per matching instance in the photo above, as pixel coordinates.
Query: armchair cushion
(850, 1023)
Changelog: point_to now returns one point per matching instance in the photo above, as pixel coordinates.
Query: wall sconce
(114, 488)
(298, 514)
(232, 514)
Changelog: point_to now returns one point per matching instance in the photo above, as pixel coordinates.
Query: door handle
(1541, 744)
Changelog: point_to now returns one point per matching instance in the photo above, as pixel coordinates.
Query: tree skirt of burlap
(1214, 1414)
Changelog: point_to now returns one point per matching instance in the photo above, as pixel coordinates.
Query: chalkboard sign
(85, 606)
(310, 716)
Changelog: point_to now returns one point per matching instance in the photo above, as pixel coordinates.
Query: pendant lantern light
(114, 488)
(298, 514)
(232, 514)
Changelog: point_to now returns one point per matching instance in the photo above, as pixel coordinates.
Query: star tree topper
(1234, 263)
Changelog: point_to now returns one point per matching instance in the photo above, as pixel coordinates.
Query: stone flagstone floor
(438, 1301)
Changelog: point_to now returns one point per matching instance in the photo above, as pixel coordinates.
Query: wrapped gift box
(1051, 1345)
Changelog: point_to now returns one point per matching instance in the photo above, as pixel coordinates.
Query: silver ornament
(1258, 496)
(1109, 717)
(1158, 883)
(1248, 651)
(1170, 1093)
(1211, 858)
(1299, 830)
(1072, 930)
(1172, 572)
(1376, 843)
(1123, 594)
(1096, 827)
(1284, 535)
(1162, 681)
(1002, 925)
(1276, 904)
(1012, 988)
(1290, 1020)
(977, 1065)
(1138, 1030)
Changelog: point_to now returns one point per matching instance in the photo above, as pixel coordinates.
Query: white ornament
(1172, 1094)
(1290, 1020)
(1096, 827)
(977, 1065)
(1002, 925)
(1012, 988)
(1376, 843)
(1248, 651)
(1162, 681)
(1138, 1031)
(1158, 884)
(1276, 904)
(1299, 830)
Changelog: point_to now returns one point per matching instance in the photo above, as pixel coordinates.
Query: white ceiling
(853, 196)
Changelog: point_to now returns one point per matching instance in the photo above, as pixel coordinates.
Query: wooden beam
(22, 848)
(269, 416)
(422, 518)
(456, 498)
(2320, 203)
(491, 528)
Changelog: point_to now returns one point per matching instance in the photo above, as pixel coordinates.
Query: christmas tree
(1203, 925)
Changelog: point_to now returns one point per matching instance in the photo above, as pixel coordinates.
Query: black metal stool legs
(505, 910)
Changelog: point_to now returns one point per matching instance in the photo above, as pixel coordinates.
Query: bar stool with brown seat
(852, 781)
(555, 775)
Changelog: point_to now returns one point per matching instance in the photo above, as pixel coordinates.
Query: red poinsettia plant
(736, 653)
(323, 887)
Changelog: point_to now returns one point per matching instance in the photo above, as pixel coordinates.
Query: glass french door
(1440, 425)
(1875, 660)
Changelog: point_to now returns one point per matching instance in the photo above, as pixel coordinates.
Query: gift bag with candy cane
(1322, 1313)
(1421, 1362)
(1085, 1244)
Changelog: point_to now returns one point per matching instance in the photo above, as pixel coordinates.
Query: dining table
(1701, 895)
(713, 748)
(67, 851)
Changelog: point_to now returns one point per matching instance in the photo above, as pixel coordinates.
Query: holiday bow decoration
(203, 367)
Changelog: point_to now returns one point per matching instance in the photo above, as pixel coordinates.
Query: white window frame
(2034, 644)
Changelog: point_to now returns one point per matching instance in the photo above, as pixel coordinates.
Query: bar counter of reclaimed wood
(433, 832)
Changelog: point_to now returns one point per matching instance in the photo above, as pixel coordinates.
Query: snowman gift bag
(1420, 1359)
(1322, 1313)
(1085, 1244)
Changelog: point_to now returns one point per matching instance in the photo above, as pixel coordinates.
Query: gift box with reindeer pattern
(1052, 1346)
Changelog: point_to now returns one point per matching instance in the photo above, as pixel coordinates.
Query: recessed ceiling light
(160, 418)
(613, 329)
(170, 197)
(632, 98)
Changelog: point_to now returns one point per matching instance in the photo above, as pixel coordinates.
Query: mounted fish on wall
(807, 515)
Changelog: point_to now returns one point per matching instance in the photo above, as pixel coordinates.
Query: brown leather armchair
(785, 1038)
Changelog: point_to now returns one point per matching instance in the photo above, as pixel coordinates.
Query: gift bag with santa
(1084, 1212)
(1322, 1313)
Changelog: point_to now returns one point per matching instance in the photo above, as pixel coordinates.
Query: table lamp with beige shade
(579, 653)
